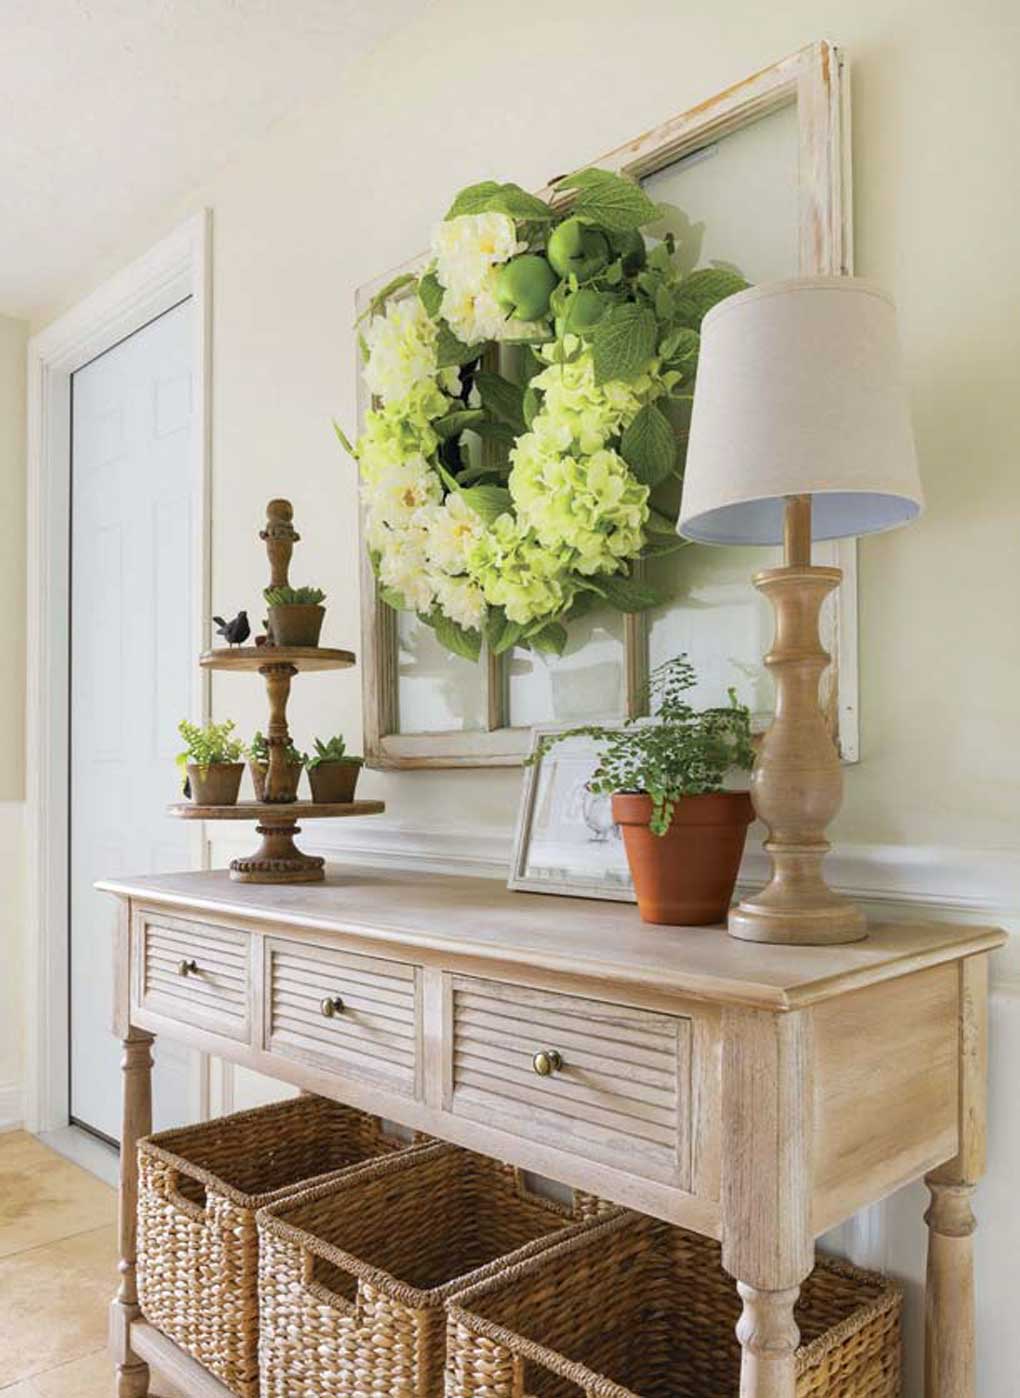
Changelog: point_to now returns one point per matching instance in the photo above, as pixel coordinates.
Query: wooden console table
(756, 1094)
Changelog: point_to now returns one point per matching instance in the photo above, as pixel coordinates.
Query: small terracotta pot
(297, 624)
(217, 784)
(686, 877)
(334, 782)
(260, 771)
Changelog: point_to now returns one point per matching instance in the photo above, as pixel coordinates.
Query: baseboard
(974, 882)
(12, 1106)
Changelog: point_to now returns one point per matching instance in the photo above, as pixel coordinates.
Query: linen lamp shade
(800, 392)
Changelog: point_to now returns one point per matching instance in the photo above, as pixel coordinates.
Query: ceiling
(110, 110)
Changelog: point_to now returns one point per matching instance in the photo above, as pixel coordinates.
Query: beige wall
(351, 188)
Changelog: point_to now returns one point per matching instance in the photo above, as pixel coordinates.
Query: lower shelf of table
(185, 1374)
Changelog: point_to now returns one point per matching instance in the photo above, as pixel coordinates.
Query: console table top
(476, 917)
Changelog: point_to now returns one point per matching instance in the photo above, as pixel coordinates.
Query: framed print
(756, 180)
(566, 839)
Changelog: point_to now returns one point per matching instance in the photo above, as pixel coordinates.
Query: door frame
(177, 267)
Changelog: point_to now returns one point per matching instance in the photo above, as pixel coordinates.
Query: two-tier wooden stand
(278, 859)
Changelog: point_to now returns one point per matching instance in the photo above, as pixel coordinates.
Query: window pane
(437, 692)
(585, 682)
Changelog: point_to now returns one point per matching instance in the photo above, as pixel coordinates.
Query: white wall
(13, 339)
(340, 193)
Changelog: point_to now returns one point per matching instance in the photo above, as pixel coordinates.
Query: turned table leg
(768, 1247)
(949, 1300)
(136, 1064)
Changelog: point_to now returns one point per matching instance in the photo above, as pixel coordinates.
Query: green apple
(630, 248)
(584, 309)
(524, 285)
(574, 247)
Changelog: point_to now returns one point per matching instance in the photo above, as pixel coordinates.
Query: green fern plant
(209, 746)
(684, 752)
(294, 596)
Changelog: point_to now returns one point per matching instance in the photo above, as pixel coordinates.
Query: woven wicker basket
(353, 1274)
(635, 1307)
(198, 1190)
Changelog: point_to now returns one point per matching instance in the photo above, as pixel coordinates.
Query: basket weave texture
(634, 1308)
(198, 1192)
(353, 1274)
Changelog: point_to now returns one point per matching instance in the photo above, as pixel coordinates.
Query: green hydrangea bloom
(402, 430)
(591, 506)
(518, 573)
(576, 409)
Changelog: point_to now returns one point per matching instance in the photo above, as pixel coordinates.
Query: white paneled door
(134, 508)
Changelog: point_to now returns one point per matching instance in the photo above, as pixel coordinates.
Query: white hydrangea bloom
(461, 600)
(452, 528)
(396, 495)
(402, 566)
(472, 312)
(401, 350)
(465, 248)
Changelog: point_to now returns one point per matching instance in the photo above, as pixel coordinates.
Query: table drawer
(193, 972)
(357, 1015)
(620, 1093)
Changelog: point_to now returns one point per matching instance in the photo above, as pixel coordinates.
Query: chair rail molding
(177, 267)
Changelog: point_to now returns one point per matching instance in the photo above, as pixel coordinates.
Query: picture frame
(425, 709)
(565, 840)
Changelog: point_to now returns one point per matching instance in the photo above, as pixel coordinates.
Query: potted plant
(683, 831)
(258, 766)
(333, 772)
(295, 615)
(211, 762)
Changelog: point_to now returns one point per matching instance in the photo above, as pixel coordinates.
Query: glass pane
(585, 682)
(436, 692)
(735, 202)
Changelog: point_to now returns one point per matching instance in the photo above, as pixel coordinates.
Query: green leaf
(623, 342)
(660, 544)
(487, 501)
(344, 440)
(552, 639)
(510, 199)
(649, 446)
(658, 523)
(430, 294)
(450, 350)
(702, 290)
(500, 633)
(504, 400)
(454, 423)
(628, 594)
(495, 432)
(394, 599)
(453, 637)
(384, 293)
(363, 347)
(531, 404)
(609, 200)
(680, 346)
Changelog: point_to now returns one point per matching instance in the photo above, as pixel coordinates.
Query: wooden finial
(280, 536)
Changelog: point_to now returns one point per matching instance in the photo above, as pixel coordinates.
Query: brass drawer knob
(332, 1005)
(187, 968)
(546, 1062)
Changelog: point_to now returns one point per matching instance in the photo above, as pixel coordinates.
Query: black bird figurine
(235, 632)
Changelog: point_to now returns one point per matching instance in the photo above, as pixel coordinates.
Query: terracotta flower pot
(685, 878)
(217, 784)
(260, 771)
(296, 624)
(334, 782)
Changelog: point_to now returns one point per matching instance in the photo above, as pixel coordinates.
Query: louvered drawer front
(195, 973)
(612, 1083)
(354, 1014)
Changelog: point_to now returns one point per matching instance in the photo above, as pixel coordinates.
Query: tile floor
(58, 1270)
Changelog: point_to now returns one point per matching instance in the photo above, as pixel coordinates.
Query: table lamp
(800, 430)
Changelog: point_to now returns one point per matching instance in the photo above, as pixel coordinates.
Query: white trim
(11, 1113)
(175, 268)
(86, 1151)
(931, 879)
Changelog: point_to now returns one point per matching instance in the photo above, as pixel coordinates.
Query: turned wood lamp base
(797, 784)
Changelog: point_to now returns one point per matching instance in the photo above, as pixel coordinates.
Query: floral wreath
(500, 506)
